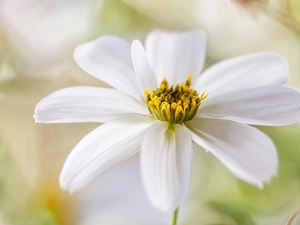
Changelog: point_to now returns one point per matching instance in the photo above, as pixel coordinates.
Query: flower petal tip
(66, 187)
(260, 186)
(76, 53)
(168, 208)
(37, 118)
(281, 59)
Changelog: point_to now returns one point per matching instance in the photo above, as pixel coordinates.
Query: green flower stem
(174, 217)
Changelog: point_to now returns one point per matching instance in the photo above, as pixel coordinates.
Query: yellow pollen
(174, 104)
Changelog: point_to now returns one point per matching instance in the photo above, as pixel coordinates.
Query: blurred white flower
(235, 29)
(43, 34)
(118, 198)
(147, 112)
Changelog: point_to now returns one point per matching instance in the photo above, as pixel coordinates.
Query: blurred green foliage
(19, 205)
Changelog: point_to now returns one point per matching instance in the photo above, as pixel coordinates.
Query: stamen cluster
(174, 105)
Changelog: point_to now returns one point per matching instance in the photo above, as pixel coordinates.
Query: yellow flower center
(174, 104)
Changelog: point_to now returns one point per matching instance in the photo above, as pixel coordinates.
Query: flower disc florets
(174, 105)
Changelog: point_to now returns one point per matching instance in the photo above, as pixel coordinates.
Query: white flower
(42, 32)
(243, 90)
(118, 198)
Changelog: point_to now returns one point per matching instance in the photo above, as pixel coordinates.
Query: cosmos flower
(162, 103)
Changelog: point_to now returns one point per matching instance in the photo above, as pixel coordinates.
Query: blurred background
(37, 39)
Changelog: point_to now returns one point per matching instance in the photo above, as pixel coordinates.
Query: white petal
(254, 70)
(101, 149)
(247, 152)
(273, 105)
(141, 66)
(176, 55)
(108, 58)
(87, 104)
(166, 162)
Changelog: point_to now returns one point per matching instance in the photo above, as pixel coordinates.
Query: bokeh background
(37, 39)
